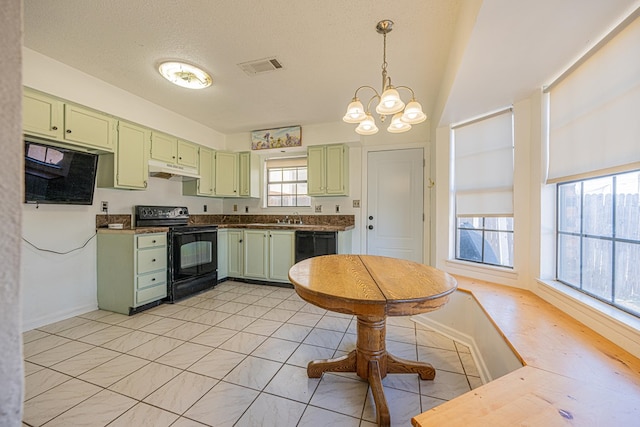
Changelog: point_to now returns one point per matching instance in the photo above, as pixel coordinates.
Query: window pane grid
(287, 186)
(476, 242)
(597, 259)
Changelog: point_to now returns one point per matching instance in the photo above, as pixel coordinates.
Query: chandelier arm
(376, 96)
(366, 86)
(413, 95)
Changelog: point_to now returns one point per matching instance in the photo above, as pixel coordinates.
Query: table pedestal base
(371, 362)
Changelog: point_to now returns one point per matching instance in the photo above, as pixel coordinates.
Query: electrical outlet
(246, 209)
(205, 208)
(337, 208)
(356, 203)
(318, 208)
(105, 206)
(235, 208)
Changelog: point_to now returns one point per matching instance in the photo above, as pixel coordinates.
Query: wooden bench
(572, 376)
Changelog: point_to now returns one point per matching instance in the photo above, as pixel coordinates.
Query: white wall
(11, 367)
(59, 286)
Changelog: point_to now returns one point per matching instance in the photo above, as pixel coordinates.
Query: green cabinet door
(223, 253)
(42, 115)
(337, 170)
(256, 253)
(132, 158)
(164, 147)
(235, 253)
(316, 170)
(187, 154)
(226, 174)
(89, 128)
(249, 179)
(281, 254)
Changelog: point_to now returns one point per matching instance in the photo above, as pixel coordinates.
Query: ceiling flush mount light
(185, 75)
(389, 101)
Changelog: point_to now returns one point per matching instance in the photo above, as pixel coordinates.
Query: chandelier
(388, 103)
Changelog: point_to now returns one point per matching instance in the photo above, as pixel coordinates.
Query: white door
(395, 189)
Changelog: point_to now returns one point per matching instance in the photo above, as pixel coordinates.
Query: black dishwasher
(315, 243)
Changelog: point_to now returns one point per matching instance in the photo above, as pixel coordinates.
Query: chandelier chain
(384, 62)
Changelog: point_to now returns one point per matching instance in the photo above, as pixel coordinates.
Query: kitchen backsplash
(337, 220)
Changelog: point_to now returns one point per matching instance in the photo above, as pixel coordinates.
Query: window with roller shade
(483, 182)
(287, 182)
(592, 122)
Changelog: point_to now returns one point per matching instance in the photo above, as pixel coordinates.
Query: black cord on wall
(60, 253)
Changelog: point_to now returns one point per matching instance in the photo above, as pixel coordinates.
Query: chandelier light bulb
(413, 113)
(355, 112)
(397, 125)
(390, 102)
(367, 126)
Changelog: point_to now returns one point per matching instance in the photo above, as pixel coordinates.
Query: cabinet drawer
(151, 240)
(151, 294)
(151, 279)
(152, 260)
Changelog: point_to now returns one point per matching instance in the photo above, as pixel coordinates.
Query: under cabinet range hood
(171, 171)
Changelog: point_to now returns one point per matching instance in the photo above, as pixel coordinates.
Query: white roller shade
(484, 166)
(594, 122)
(286, 162)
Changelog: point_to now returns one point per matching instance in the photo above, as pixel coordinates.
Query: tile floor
(235, 355)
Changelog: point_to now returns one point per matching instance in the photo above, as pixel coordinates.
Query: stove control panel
(161, 212)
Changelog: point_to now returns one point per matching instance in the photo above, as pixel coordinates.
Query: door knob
(370, 217)
(370, 227)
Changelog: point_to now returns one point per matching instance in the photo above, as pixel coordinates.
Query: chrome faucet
(299, 218)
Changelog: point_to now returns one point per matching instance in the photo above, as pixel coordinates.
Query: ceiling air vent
(260, 66)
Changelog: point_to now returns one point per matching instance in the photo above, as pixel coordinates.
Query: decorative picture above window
(276, 138)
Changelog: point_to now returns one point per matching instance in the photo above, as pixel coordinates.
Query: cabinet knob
(68, 130)
(154, 260)
(54, 128)
(153, 241)
(240, 241)
(180, 158)
(153, 280)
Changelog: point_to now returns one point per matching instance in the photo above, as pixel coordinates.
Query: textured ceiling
(328, 48)
(462, 57)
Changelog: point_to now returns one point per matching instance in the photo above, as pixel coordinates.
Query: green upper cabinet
(204, 186)
(52, 118)
(169, 149)
(128, 167)
(249, 178)
(226, 173)
(42, 115)
(328, 170)
(164, 147)
(88, 128)
(187, 154)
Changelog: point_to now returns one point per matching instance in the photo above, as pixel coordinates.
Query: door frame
(426, 199)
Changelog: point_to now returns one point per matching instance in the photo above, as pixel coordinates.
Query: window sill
(616, 325)
(473, 269)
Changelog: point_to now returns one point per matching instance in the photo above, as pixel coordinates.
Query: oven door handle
(184, 233)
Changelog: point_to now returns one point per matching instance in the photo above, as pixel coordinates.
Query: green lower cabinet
(132, 270)
(269, 254)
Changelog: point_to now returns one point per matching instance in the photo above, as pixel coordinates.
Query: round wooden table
(371, 288)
